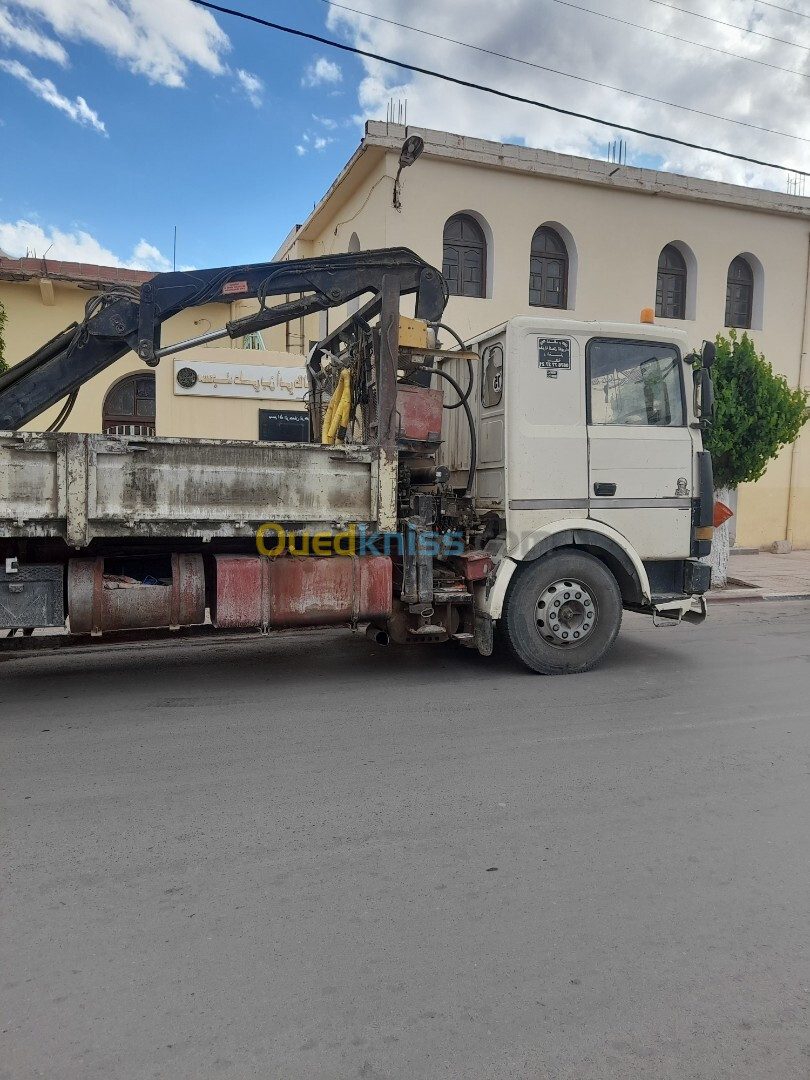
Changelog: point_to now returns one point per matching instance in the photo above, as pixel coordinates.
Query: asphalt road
(309, 858)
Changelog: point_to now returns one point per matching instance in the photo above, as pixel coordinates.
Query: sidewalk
(765, 576)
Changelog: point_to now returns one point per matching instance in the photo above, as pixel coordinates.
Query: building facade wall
(615, 235)
(220, 417)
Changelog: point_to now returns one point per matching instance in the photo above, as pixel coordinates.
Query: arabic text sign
(554, 353)
(196, 378)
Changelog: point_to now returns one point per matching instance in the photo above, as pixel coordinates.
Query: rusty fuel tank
(294, 591)
(98, 602)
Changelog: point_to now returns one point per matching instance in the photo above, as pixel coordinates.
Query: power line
(731, 26)
(686, 41)
(565, 74)
(489, 89)
(779, 7)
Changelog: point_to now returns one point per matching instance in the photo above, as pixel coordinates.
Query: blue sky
(226, 171)
(120, 119)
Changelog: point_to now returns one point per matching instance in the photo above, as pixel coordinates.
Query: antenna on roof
(396, 112)
(617, 153)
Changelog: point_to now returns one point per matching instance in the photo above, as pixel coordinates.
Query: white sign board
(196, 378)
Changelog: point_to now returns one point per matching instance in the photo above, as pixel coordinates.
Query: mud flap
(484, 634)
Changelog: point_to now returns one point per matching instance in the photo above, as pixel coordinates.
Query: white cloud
(20, 35)
(21, 238)
(585, 45)
(147, 257)
(322, 71)
(252, 86)
(160, 39)
(77, 110)
(312, 141)
(326, 121)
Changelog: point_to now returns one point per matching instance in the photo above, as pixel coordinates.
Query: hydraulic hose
(471, 423)
(65, 411)
(470, 375)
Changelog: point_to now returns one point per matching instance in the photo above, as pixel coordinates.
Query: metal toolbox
(31, 596)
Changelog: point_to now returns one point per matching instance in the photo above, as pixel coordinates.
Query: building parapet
(91, 274)
(466, 150)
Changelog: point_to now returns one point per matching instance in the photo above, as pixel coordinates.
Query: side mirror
(708, 354)
(704, 394)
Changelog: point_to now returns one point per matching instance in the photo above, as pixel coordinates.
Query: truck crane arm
(125, 320)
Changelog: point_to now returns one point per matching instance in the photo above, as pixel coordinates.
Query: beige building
(523, 231)
(516, 231)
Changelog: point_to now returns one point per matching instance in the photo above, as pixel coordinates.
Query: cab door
(546, 437)
(639, 444)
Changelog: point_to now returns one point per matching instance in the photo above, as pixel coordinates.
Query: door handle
(604, 489)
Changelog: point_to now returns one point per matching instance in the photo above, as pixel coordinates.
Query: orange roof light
(647, 315)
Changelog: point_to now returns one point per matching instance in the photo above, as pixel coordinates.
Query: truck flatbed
(79, 488)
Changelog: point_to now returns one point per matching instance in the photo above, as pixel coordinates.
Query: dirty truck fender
(600, 539)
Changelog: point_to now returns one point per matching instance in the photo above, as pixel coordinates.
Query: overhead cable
(685, 41)
(565, 74)
(491, 90)
(731, 26)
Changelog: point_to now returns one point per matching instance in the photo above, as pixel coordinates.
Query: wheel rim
(566, 613)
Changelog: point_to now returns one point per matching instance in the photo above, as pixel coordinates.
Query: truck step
(429, 633)
(451, 596)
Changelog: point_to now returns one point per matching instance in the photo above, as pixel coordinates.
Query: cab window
(635, 383)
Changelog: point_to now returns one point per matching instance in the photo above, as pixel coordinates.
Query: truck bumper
(692, 609)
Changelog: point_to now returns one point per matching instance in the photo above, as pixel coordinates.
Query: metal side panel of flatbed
(82, 487)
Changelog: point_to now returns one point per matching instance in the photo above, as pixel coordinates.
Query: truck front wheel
(561, 613)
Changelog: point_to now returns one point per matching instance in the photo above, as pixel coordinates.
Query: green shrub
(755, 415)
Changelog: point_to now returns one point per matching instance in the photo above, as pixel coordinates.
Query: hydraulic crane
(130, 319)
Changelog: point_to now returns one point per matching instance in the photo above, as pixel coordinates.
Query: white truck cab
(591, 471)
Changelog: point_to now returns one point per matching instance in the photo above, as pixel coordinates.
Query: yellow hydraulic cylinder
(335, 409)
(343, 412)
(329, 426)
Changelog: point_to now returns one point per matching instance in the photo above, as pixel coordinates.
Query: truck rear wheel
(561, 613)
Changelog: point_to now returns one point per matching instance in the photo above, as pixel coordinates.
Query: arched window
(739, 293)
(129, 407)
(670, 292)
(464, 258)
(548, 269)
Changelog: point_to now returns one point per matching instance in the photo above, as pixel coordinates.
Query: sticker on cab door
(492, 382)
(554, 353)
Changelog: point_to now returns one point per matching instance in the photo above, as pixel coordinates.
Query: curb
(745, 595)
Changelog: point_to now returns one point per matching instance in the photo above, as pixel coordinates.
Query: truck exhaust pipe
(379, 637)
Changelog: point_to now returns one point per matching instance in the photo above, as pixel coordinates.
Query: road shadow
(293, 658)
